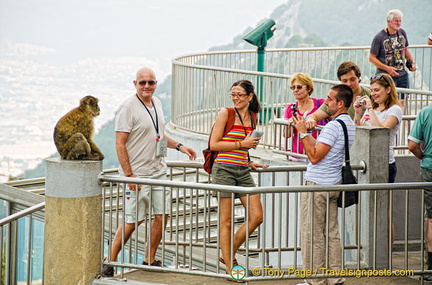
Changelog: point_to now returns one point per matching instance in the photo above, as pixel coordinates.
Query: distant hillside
(339, 23)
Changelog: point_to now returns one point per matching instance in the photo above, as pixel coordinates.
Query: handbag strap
(347, 156)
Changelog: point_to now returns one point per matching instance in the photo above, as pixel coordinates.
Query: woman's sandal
(221, 260)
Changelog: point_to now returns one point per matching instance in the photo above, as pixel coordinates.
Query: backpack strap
(230, 121)
(228, 126)
(254, 119)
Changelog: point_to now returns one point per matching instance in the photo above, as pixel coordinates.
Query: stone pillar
(372, 146)
(73, 215)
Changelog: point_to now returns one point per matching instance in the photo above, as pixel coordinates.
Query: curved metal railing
(201, 82)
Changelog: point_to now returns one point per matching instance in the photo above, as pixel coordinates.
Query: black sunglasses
(143, 82)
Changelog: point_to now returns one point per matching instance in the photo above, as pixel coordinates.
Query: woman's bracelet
(240, 146)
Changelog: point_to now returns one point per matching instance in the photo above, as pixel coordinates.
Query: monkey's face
(94, 109)
(91, 104)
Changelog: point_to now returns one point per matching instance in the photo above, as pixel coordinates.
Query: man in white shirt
(326, 156)
(140, 145)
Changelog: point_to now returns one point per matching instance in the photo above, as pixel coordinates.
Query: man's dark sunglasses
(143, 82)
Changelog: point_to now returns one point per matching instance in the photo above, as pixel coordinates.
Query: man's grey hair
(394, 12)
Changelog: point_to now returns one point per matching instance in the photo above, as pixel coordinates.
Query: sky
(54, 52)
(157, 30)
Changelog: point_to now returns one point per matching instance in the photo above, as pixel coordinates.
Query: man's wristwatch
(303, 135)
(178, 146)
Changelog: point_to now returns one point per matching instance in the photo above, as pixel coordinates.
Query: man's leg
(117, 241)
(426, 175)
(317, 236)
(156, 237)
(335, 246)
(402, 82)
(160, 201)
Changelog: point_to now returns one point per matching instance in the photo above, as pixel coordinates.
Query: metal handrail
(201, 80)
(22, 214)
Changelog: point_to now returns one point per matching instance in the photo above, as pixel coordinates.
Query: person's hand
(392, 71)
(188, 151)
(132, 186)
(310, 122)
(249, 142)
(255, 165)
(299, 124)
(413, 67)
(367, 102)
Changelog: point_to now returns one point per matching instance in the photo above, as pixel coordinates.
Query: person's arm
(122, 154)
(315, 153)
(430, 39)
(123, 157)
(415, 149)
(314, 118)
(389, 69)
(409, 57)
(390, 121)
(180, 147)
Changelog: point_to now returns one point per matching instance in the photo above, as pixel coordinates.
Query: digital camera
(294, 109)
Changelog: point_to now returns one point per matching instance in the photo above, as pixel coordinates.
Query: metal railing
(21, 235)
(284, 145)
(190, 243)
(201, 82)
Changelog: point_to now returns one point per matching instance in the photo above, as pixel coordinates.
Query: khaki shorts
(426, 175)
(231, 175)
(159, 194)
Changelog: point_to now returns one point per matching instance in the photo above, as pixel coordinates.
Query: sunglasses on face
(143, 82)
(298, 87)
(238, 95)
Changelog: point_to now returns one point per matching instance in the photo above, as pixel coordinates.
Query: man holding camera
(389, 51)
(349, 74)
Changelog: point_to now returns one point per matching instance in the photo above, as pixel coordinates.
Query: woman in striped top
(232, 166)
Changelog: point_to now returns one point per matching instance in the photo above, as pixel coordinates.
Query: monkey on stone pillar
(73, 132)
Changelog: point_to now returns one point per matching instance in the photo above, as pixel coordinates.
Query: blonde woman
(302, 87)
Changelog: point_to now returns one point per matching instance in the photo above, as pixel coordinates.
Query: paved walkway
(150, 277)
(141, 277)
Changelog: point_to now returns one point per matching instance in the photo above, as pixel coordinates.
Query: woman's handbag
(350, 197)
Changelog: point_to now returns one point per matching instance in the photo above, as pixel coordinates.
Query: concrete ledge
(72, 178)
